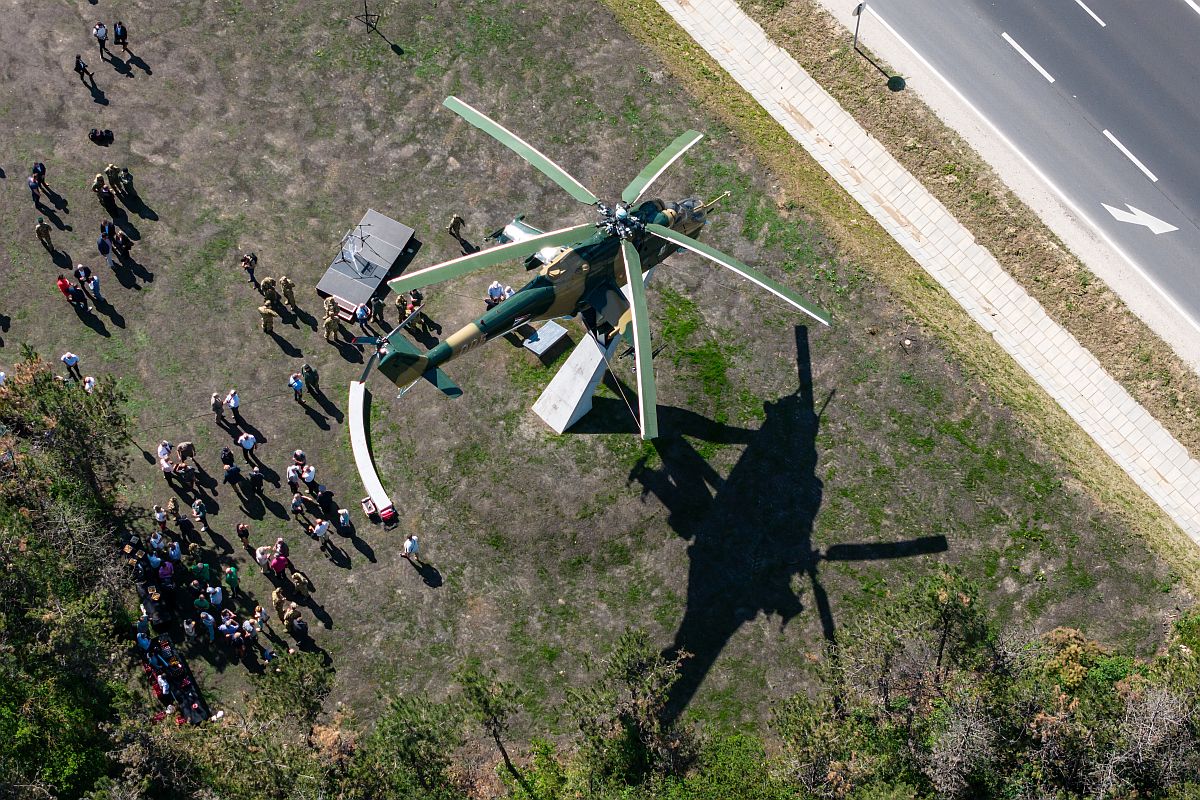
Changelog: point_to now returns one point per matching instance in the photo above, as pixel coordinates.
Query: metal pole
(858, 12)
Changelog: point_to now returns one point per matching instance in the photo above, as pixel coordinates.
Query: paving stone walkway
(947, 251)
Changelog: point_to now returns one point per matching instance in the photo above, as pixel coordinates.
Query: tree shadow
(751, 531)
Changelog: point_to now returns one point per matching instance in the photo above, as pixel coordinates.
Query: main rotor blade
(752, 275)
(659, 165)
(522, 148)
(642, 354)
(487, 258)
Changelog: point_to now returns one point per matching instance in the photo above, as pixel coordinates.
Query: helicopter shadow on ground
(750, 532)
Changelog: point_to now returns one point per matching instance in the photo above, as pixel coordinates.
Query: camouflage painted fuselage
(584, 277)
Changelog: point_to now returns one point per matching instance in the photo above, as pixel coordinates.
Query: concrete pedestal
(569, 395)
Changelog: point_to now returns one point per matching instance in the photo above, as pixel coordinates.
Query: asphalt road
(1136, 77)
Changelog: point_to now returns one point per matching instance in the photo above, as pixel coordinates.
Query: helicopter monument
(595, 271)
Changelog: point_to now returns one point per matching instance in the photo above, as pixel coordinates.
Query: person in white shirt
(164, 449)
(247, 442)
(71, 362)
(411, 549)
(309, 476)
(234, 401)
(215, 596)
(320, 531)
(89, 384)
(495, 295)
(101, 34)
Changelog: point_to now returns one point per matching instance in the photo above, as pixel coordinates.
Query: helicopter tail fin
(404, 364)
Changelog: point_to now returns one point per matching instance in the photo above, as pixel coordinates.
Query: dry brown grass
(1074, 297)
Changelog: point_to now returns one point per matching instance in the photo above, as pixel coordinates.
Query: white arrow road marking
(1139, 217)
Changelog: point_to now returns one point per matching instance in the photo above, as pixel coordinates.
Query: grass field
(802, 475)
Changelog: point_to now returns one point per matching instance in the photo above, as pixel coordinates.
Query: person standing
(268, 318)
(81, 68)
(231, 579)
(105, 248)
(279, 601)
(34, 190)
(330, 326)
(455, 226)
(93, 286)
(311, 378)
(218, 407)
(82, 274)
(112, 172)
(207, 619)
(71, 362)
(288, 288)
(121, 35)
(42, 229)
(39, 173)
(101, 34)
(299, 510)
(64, 286)
(186, 450)
(247, 442)
(319, 530)
(121, 243)
(249, 262)
(296, 383)
(362, 315)
(256, 479)
(293, 477)
(411, 549)
(309, 476)
(234, 401)
(200, 513)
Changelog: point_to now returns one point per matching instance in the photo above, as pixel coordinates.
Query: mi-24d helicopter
(580, 271)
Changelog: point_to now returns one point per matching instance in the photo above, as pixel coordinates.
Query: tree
(490, 703)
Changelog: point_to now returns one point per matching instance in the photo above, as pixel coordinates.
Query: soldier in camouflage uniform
(289, 291)
(331, 307)
(330, 327)
(269, 292)
(268, 318)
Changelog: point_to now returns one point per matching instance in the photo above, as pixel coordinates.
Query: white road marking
(1138, 217)
(1131, 156)
(1193, 4)
(1092, 14)
(1027, 57)
(1043, 177)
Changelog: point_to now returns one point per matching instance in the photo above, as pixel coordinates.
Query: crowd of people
(186, 580)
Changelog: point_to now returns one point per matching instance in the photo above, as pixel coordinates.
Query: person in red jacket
(64, 286)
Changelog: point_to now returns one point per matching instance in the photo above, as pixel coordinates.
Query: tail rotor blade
(643, 355)
(659, 165)
(488, 258)
(752, 275)
(524, 149)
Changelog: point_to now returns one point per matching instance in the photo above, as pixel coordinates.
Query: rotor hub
(620, 221)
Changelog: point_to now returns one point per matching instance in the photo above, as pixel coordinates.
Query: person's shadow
(287, 347)
(751, 531)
